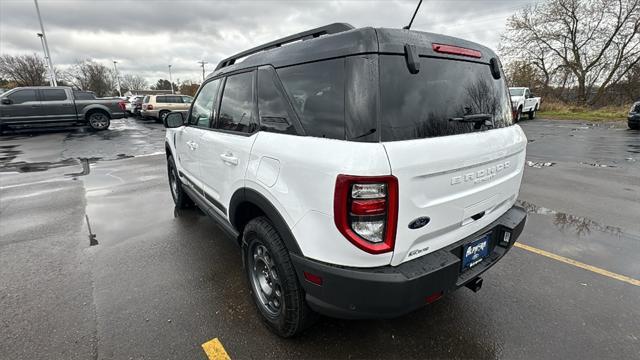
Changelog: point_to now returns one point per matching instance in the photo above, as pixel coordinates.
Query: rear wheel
(272, 280)
(180, 197)
(634, 126)
(532, 113)
(99, 120)
(163, 114)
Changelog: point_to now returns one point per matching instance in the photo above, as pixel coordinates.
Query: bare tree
(93, 76)
(23, 70)
(133, 82)
(597, 42)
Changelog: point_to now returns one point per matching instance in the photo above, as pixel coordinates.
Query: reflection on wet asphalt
(160, 282)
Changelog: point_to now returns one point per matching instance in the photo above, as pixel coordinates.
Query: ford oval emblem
(419, 222)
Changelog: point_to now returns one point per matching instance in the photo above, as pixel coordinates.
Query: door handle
(229, 159)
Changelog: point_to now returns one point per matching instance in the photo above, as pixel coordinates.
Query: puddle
(581, 226)
(598, 165)
(26, 167)
(539, 164)
(8, 153)
(634, 149)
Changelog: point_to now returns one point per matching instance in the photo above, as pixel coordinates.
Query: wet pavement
(159, 283)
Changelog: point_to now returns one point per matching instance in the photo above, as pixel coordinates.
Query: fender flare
(247, 195)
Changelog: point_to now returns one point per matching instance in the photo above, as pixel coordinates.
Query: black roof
(340, 39)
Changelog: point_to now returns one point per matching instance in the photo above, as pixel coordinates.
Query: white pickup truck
(523, 101)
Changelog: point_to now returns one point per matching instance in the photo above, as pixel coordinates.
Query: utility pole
(202, 62)
(46, 47)
(171, 80)
(46, 59)
(117, 77)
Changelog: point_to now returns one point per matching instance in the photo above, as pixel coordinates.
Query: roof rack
(305, 35)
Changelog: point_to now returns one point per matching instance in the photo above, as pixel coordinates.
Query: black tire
(286, 314)
(98, 120)
(162, 114)
(634, 126)
(180, 197)
(532, 114)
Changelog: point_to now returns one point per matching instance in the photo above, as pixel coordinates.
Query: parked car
(633, 120)
(134, 104)
(25, 107)
(158, 106)
(3, 90)
(523, 101)
(364, 173)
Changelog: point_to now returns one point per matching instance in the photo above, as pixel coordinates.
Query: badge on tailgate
(481, 175)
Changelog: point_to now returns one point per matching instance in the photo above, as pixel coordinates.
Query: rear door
(56, 106)
(461, 175)
(188, 138)
(24, 107)
(226, 149)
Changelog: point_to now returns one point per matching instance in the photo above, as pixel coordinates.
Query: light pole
(46, 47)
(46, 59)
(115, 68)
(202, 62)
(171, 80)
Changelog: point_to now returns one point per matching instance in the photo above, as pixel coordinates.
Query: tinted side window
(205, 102)
(146, 99)
(174, 99)
(21, 96)
(236, 108)
(187, 99)
(317, 93)
(53, 95)
(161, 99)
(272, 104)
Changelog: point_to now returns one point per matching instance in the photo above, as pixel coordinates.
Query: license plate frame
(475, 251)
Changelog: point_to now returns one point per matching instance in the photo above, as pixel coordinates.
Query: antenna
(413, 17)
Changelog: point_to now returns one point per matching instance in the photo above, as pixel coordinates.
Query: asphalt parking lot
(95, 263)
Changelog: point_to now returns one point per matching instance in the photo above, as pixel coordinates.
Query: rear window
(440, 99)
(53, 94)
(146, 99)
(516, 92)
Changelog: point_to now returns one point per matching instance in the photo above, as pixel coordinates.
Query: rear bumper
(388, 291)
(149, 113)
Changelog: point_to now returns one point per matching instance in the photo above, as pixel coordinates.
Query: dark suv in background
(633, 120)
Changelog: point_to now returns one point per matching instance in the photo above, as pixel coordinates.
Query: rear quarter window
(316, 91)
(422, 105)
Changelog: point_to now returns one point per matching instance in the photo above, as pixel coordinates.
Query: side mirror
(6, 101)
(173, 120)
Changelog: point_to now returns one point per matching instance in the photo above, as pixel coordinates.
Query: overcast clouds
(144, 36)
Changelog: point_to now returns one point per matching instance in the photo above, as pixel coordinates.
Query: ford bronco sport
(364, 172)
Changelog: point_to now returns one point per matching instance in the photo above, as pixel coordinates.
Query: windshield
(447, 97)
(516, 92)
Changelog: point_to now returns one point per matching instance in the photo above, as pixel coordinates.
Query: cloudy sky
(144, 36)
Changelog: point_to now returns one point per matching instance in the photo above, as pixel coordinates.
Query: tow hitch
(475, 284)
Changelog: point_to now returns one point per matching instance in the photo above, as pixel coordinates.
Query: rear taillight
(366, 211)
(149, 107)
(122, 105)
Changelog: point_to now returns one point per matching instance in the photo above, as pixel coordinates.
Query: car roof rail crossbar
(305, 35)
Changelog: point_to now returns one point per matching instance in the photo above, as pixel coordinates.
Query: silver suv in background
(27, 107)
(158, 106)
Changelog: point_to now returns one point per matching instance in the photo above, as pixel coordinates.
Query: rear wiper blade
(472, 118)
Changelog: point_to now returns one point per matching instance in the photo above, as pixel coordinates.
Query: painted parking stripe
(215, 350)
(579, 264)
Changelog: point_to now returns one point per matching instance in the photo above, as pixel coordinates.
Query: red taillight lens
(313, 278)
(366, 211)
(149, 107)
(456, 50)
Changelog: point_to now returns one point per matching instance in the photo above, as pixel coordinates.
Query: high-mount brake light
(456, 50)
(366, 211)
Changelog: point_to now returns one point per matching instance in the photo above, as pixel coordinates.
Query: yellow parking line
(575, 263)
(215, 350)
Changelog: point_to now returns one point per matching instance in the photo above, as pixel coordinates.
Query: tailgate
(461, 182)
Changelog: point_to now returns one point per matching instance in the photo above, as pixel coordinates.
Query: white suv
(364, 172)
